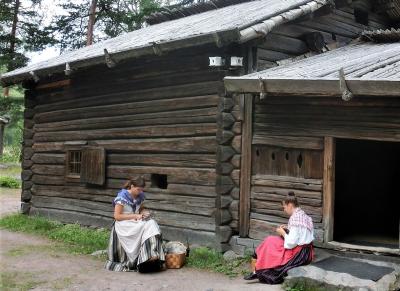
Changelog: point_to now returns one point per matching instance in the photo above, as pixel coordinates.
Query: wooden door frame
(245, 165)
(329, 181)
(329, 187)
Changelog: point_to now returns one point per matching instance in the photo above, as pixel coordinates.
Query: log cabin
(328, 128)
(152, 103)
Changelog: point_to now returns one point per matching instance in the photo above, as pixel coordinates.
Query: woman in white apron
(135, 240)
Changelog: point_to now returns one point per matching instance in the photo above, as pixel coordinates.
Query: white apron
(133, 233)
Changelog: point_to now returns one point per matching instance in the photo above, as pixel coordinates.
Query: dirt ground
(34, 263)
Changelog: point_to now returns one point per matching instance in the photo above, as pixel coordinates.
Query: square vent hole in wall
(159, 181)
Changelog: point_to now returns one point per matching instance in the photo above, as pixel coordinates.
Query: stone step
(315, 278)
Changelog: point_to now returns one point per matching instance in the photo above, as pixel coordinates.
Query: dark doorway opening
(367, 193)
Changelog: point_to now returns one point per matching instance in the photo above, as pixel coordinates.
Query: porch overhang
(364, 68)
(312, 87)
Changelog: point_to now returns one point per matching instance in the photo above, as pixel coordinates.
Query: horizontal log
(48, 179)
(26, 195)
(202, 115)
(68, 100)
(82, 206)
(27, 152)
(287, 45)
(42, 169)
(128, 108)
(260, 229)
(279, 220)
(225, 153)
(225, 120)
(224, 233)
(234, 209)
(235, 193)
(26, 164)
(75, 190)
(224, 184)
(258, 205)
(316, 218)
(314, 143)
(174, 175)
(287, 182)
(26, 175)
(155, 131)
(235, 161)
(49, 159)
(271, 55)
(224, 168)
(225, 201)
(224, 137)
(278, 194)
(73, 217)
(194, 190)
(171, 160)
(194, 237)
(187, 221)
(225, 104)
(181, 189)
(237, 128)
(26, 185)
(183, 144)
(237, 143)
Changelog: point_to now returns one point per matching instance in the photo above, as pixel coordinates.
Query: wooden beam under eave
(313, 87)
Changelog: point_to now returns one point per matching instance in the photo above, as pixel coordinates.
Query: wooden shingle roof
(235, 23)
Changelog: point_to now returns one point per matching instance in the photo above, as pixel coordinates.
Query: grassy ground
(82, 240)
(75, 239)
(209, 259)
(18, 281)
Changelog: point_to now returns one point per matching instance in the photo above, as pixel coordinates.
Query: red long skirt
(271, 253)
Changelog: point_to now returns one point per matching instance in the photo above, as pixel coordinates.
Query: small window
(74, 160)
(159, 181)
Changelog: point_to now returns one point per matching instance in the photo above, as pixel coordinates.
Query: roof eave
(313, 87)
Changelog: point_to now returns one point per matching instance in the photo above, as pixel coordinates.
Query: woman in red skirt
(292, 248)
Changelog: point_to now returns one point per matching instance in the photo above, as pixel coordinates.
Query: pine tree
(111, 18)
(21, 31)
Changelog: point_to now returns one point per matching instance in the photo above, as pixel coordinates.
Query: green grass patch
(212, 260)
(9, 182)
(77, 239)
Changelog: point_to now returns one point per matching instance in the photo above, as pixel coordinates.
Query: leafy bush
(11, 154)
(9, 182)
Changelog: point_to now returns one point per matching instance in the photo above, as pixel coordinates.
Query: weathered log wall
(288, 150)
(337, 28)
(152, 116)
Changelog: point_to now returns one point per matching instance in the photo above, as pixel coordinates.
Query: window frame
(68, 174)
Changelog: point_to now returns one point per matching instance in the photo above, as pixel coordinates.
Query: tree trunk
(10, 65)
(92, 19)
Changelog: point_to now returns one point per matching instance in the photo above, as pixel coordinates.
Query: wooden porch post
(329, 187)
(245, 167)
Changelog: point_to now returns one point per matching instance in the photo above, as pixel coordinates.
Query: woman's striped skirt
(119, 261)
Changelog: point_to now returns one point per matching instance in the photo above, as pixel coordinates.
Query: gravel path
(35, 263)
